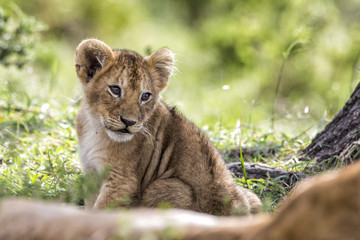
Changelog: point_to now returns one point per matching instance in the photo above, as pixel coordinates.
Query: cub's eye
(145, 97)
(115, 90)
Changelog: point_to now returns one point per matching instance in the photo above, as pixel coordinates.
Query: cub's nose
(127, 122)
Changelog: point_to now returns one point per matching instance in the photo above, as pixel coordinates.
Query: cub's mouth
(125, 130)
(118, 131)
(119, 135)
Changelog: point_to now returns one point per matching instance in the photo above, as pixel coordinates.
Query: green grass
(277, 150)
(39, 152)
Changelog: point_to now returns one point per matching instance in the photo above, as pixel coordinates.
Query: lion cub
(156, 155)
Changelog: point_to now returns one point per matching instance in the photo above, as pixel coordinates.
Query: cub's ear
(161, 65)
(91, 56)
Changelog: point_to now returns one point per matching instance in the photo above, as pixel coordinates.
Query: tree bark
(339, 139)
(259, 170)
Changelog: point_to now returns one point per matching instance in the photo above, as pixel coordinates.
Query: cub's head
(120, 87)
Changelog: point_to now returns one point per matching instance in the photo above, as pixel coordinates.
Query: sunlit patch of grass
(258, 146)
(38, 151)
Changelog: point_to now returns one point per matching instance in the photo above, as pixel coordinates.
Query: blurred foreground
(325, 207)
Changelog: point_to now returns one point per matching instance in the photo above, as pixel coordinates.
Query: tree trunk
(339, 139)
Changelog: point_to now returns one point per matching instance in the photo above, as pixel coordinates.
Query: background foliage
(295, 62)
(229, 52)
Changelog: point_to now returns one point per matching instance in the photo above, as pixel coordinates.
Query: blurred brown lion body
(156, 155)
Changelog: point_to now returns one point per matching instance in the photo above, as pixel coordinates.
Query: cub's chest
(98, 151)
(92, 151)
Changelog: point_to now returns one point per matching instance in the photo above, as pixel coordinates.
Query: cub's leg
(170, 191)
(117, 191)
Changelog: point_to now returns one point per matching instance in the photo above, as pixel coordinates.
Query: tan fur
(24, 219)
(163, 158)
(323, 207)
